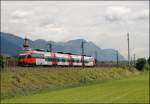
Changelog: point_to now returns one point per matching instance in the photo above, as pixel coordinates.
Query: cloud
(21, 14)
(125, 14)
(104, 23)
(46, 21)
(117, 13)
(141, 14)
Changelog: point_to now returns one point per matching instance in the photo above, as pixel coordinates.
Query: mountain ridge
(12, 45)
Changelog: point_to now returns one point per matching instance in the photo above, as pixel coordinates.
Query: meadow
(74, 85)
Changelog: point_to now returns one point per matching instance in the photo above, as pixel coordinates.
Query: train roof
(42, 52)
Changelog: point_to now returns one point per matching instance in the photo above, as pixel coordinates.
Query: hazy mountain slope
(12, 45)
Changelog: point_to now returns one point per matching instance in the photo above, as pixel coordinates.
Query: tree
(140, 63)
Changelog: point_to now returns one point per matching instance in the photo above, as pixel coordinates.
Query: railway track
(52, 67)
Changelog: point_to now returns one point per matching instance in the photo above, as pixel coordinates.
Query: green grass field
(23, 81)
(132, 89)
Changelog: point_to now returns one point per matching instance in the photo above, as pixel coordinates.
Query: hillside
(25, 81)
(12, 45)
(132, 90)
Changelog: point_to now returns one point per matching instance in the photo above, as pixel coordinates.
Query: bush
(131, 68)
(149, 60)
(147, 67)
(140, 64)
(1, 62)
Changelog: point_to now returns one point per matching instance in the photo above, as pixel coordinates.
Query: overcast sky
(104, 23)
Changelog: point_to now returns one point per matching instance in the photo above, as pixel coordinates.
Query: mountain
(12, 45)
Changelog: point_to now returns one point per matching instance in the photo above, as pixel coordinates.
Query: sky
(105, 23)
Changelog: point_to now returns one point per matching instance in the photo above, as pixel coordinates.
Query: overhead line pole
(128, 48)
(50, 46)
(134, 59)
(96, 56)
(82, 46)
(117, 57)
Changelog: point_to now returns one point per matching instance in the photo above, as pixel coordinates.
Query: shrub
(140, 64)
(149, 60)
(1, 62)
(147, 67)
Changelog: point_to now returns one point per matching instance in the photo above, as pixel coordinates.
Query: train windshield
(22, 56)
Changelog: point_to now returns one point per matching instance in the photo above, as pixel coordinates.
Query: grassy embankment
(26, 81)
(133, 89)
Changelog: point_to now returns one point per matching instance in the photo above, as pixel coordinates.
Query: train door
(54, 60)
(40, 59)
(70, 60)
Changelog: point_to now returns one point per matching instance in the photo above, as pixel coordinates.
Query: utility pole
(128, 48)
(134, 59)
(82, 46)
(131, 60)
(50, 46)
(96, 56)
(117, 57)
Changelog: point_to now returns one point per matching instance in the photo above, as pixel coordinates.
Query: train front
(26, 59)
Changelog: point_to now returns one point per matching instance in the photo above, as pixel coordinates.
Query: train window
(86, 61)
(67, 60)
(58, 59)
(38, 56)
(63, 60)
(77, 61)
(48, 59)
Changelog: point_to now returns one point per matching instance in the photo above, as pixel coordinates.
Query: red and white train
(34, 57)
